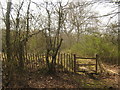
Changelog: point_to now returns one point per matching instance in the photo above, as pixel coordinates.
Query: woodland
(46, 43)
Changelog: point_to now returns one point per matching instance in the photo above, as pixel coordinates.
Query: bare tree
(53, 40)
(79, 19)
(8, 45)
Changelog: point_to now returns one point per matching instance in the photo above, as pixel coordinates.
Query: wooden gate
(78, 64)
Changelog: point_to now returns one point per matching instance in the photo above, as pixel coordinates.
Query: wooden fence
(64, 62)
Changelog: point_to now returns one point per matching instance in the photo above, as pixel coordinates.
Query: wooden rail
(75, 63)
(85, 64)
(84, 58)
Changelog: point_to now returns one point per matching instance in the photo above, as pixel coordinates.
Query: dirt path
(109, 78)
(112, 68)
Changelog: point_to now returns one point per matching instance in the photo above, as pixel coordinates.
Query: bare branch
(107, 15)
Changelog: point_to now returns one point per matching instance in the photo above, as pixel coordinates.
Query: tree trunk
(21, 56)
(8, 46)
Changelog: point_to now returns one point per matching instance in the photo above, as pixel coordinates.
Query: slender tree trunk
(47, 59)
(21, 55)
(8, 51)
(8, 46)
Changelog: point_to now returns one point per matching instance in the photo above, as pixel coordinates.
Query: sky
(101, 8)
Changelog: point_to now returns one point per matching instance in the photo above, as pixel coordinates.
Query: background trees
(50, 27)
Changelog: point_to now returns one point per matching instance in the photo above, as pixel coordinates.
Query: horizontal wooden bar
(84, 71)
(84, 58)
(81, 71)
(85, 64)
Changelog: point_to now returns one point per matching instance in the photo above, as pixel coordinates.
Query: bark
(8, 31)
(53, 45)
(8, 46)
(21, 56)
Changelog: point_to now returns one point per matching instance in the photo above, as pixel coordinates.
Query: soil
(37, 79)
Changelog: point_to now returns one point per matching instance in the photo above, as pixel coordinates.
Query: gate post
(96, 63)
(75, 63)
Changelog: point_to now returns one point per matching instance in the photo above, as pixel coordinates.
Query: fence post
(96, 63)
(61, 63)
(75, 63)
(64, 62)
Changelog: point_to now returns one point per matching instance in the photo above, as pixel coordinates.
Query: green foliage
(36, 44)
(90, 45)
